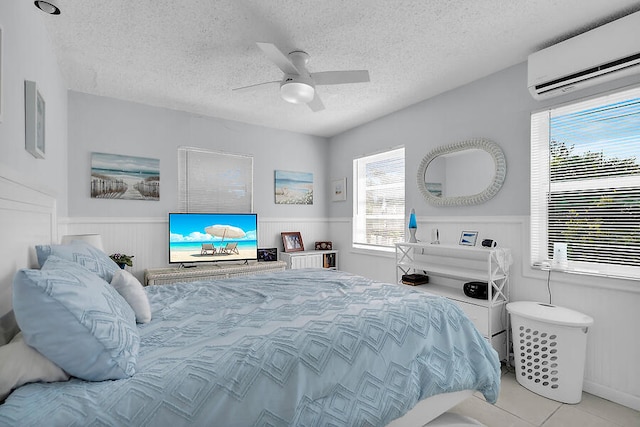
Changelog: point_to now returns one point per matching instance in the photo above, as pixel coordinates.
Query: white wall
(100, 124)
(497, 107)
(27, 55)
(107, 125)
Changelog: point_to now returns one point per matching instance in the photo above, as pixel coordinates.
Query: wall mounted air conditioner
(602, 54)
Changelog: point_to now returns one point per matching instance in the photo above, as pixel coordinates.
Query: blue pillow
(77, 320)
(84, 254)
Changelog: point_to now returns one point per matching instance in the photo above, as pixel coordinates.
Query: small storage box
(549, 349)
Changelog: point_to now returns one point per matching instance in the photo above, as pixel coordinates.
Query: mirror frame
(490, 147)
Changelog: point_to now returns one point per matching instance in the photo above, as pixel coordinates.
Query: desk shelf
(327, 259)
(449, 267)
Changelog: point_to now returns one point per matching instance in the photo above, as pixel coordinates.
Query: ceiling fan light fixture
(47, 7)
(297, 92)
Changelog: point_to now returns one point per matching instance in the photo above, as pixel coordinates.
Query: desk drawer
(478, 315)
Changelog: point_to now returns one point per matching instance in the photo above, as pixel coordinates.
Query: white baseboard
(616, 396)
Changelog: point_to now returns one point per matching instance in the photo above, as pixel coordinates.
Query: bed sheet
(298, 347)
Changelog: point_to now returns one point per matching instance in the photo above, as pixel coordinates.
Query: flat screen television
(210, 237)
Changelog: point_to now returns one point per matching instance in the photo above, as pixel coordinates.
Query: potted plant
(122, 260)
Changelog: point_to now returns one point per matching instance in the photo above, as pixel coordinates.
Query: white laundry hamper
(549, 349)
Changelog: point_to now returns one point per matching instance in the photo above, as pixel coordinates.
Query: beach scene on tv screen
(212, 237)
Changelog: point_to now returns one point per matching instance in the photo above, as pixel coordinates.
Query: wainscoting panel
(147, 238)
(27, 218)
(144, 238)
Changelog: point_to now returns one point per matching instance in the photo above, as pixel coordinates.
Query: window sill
(381, 252)
(589, 278)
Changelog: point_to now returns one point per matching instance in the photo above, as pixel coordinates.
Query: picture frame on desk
(292, 241)
(468, 238)
(267, 254)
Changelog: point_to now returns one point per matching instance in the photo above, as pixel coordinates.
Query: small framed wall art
(339, 190)
(468, 238)
(292, 241)
(34, 114)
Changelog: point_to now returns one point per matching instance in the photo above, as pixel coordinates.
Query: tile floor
(519, 407)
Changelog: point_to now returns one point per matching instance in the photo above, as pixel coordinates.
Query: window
(210, 181)
(585, 184)
(378, 211)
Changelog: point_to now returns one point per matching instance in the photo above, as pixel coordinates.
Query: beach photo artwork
(293, 188)
(124, 177)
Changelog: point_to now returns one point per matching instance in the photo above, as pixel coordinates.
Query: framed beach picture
(339, 190)
(34, 115)
(293, 188)
(114, 176)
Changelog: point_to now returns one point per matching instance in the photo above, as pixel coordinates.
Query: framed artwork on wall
(115, 176)
(339, 190)
(293, 188)
(34, 114)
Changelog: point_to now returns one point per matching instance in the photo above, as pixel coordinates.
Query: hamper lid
(549, 313)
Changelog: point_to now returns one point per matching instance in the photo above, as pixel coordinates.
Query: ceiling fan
(298, 84)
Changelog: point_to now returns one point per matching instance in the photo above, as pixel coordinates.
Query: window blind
(211, 181)
(585, 184)
(379, 208)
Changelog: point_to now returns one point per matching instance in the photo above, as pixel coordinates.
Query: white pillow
(21, 364)
(132, 291)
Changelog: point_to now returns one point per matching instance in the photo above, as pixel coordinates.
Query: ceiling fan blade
(252, 87)
(340, 77)
(278, 57)
(316, 103)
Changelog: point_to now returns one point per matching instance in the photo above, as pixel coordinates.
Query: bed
(299, 347)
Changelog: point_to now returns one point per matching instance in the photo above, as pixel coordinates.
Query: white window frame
(541, 188)
(360, 216)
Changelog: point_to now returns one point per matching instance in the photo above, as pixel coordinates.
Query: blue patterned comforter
(299, 347)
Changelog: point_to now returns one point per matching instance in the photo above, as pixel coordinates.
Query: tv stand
(166, 276)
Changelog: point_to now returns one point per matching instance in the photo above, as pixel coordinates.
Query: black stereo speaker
(476, 290)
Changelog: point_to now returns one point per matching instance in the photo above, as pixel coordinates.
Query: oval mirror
(464, 173)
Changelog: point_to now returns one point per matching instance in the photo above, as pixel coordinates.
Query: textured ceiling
(188, 55)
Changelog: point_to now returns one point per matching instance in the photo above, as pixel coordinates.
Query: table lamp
(94, 240)
(413, 226)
